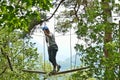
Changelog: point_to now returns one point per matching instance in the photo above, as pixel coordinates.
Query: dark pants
(52, 55)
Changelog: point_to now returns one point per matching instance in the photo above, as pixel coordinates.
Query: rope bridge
(57, 73)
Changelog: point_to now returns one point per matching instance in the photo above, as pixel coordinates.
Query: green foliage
(22, 55)
(15, 19)
(18, 14)
(93, 27)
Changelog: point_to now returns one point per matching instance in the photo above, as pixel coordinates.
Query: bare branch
(3, 70)
(10, 65)
(76, 11)
(53, 12)
(18, 2)
(35, 22)
(8, 59)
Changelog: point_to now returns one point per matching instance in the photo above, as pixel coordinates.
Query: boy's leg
(52, 59)
(52, 55)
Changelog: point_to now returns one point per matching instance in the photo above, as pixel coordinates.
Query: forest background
(94, 24)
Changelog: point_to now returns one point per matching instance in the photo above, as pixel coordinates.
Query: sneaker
(58, 68)
(53, 71)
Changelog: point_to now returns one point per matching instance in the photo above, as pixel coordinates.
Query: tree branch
(35, 22)
(3, 70)
(18, 2)
(10, 65)
(76, 10)
(53, 12)
(8, 59)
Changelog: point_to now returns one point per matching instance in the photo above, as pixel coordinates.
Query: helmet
(45, 28)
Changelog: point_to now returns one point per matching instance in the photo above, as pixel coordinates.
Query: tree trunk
(119, 36)
(119, 45)
(108, 28)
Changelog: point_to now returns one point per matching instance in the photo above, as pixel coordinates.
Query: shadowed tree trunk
(108, 27)
(119, 36)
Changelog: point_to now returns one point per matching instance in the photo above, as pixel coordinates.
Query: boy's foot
(58, 68)
(53, 71)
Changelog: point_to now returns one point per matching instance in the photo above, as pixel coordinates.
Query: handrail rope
(70, 50)
(19, 52)
(76, 56)
(75, 60)
(57, 35)
(65, 35)
(44, 51)
(23, 54)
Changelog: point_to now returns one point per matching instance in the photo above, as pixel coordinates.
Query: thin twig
(76, 10)
(18, 2)
(10, 65)
(8, 59)
(52, 13)
(3, 70)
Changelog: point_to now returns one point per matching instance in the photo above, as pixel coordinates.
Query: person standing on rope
(52, 48)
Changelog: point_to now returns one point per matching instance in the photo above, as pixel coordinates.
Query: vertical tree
(108, 26)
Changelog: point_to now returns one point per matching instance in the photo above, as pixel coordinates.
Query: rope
(44, 51)
(57, 35)
(75, 60)
(23, 54)
(70, 51)
(76, 56)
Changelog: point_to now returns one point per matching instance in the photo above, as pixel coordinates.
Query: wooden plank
(69, 71)
(34, 71)
(61, 72)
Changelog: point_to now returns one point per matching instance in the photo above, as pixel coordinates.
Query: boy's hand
(45, 32)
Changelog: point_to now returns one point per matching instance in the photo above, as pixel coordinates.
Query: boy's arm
(46, 39)
(46, 34)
